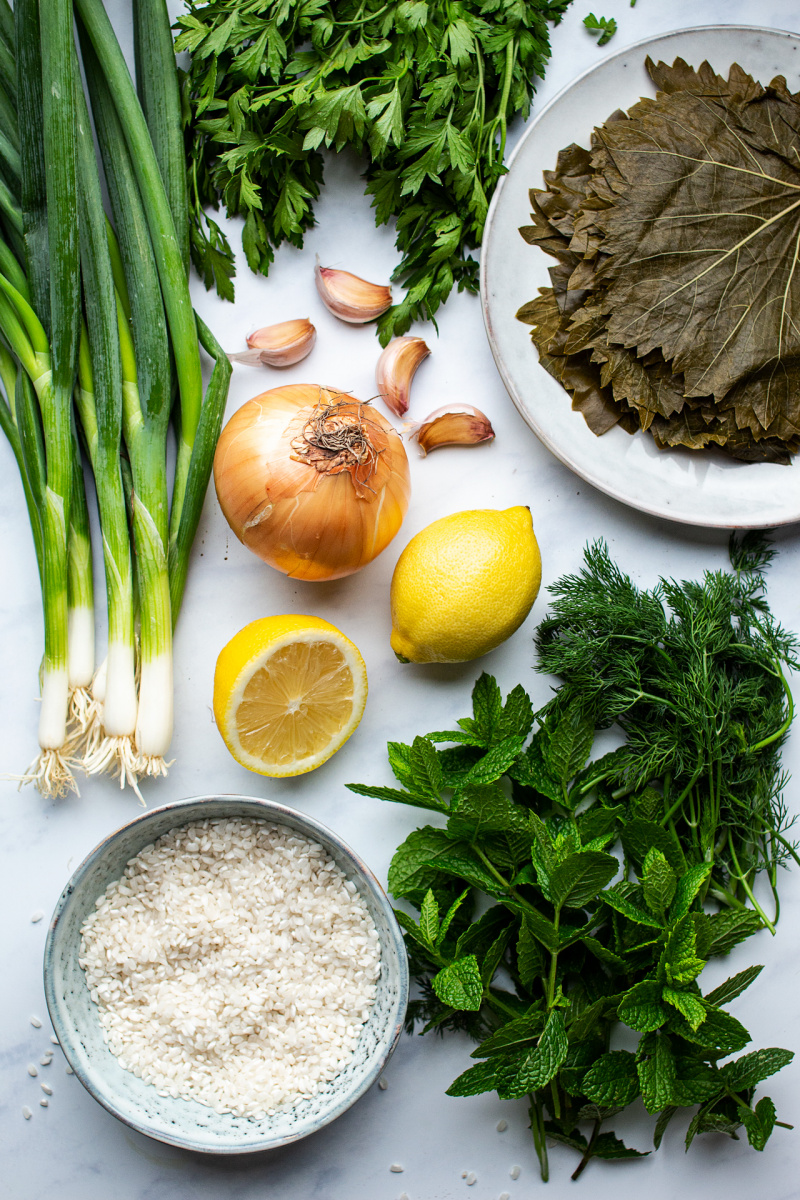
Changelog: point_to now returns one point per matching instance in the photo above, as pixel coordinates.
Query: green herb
(614, 328)
(424, 92)
(605, 26)
(576, 939)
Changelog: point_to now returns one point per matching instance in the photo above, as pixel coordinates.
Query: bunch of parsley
(577, 940)
(423, 92)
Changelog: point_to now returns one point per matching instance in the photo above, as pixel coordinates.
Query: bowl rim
(273, 811)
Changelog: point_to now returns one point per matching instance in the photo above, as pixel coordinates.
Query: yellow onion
(313, 481)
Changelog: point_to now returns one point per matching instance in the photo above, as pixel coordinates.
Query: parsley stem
(511, 50)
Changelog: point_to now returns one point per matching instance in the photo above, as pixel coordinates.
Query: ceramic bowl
(186, 1123)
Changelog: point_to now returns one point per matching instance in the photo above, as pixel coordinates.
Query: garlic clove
(279, 345)
(349, 298)
(396, 368)
(452, 425)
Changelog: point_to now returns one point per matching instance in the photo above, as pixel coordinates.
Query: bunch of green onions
(99, 349)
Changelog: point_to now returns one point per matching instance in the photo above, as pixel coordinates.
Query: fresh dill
(576, 939)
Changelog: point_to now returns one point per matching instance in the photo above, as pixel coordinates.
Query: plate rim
(600, 484)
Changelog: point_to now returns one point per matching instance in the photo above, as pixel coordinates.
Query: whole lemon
(464, 584)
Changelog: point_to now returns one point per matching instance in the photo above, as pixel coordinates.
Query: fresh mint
(559, 895)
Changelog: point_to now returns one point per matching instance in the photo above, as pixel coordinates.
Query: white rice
(232, 964)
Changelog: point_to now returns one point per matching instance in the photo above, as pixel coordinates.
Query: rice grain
(232, 964)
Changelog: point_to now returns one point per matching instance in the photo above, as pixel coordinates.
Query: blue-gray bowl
(186, 1123)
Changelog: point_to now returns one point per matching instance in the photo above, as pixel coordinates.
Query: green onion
(174, 282)
(55, 391)
(99, 402)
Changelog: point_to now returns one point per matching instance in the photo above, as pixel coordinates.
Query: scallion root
(51, 772)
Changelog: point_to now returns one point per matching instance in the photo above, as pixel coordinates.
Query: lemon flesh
(464, 584)
(288, 692)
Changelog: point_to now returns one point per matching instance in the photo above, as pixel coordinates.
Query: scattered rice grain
(382, 1084)
(46, 1059)
(48, 1091)
(232, 964)
(396, 1168)
(515, 1172)
(32, 1070)
(36, 917)
(54, 1040)
(69, 1071)
(44, 1102)
(471, 1178)
(502, 1126)
(27, 1112)
(504, 1196)
(36, 1023)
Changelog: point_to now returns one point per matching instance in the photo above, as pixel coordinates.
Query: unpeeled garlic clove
(452, 425)
(279, 345)
(396, 368)
(349, 298)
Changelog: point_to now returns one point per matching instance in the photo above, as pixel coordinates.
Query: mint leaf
(729, 927)
(613, 1081)
(415, 799)
(759, 1122)
(688, 1006)
(459, 860)
(679, 960)
(609, 1147)
(530, 961)
(426, 771)
(657, 1074)
(531, 770)
(733, 987)
(540, 1064)
(658, 882)
(480, 1078)
(429, 919)
(459, 984)
(487, 707)
(664, 1118)
(516, 719)
(399, 755)
(412, 870)
(570, 745)
(580, 877)
(720, 1032)
(639, 837)
(477, 810)
(744, 1073)
(449, 916)
(496, 761)
(615, 898)
(688, 887)
(512, 1036)
(613, 961)
(641, 1007)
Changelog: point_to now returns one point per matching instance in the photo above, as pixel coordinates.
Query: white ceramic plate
(702, 488)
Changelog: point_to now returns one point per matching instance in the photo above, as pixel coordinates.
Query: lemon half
(288, 692)
(464, 584)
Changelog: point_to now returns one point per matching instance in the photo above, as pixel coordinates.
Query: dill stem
(742, 878)
(784, 727)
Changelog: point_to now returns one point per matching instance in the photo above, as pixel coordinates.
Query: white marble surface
(73, 1149)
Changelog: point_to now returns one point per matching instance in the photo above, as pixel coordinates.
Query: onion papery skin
(309, 525)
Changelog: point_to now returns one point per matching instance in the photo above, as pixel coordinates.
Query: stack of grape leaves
(675, 304)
